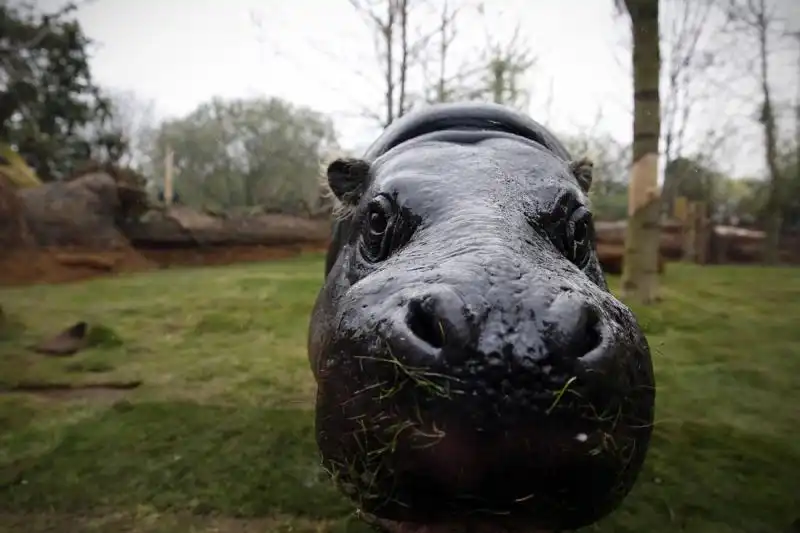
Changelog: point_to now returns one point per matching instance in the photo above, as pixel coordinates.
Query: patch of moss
(11, 327)
(101, 336)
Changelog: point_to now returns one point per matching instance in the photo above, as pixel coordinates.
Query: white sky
(320, 53)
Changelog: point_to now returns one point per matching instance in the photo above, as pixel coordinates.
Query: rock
(81, 213)
(68, 342)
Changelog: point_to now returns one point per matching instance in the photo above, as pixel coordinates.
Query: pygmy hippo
(474, 373)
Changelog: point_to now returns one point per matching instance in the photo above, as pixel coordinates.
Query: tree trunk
(388, 39)
(402, 105)
(640, 268)
(774, 220)
(498, 68)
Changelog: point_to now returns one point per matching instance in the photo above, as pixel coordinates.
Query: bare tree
(496, 73)
(440, 85)
(135, 118)
(640, 267)
(419, 52)
(760, 23)
(690, 62)
(399, 42)
(696, 74)
(685, 62)
(447, 35)
(390, 20)
(503, 66)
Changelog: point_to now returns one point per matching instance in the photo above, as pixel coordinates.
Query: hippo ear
(582, 170)
(348, 179)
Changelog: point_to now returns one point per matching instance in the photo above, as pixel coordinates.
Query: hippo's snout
(438, 328)
(458, 400)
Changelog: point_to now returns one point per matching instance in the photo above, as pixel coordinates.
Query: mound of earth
(99, 221)
(67, 231)
(58, 265)
(19, 257)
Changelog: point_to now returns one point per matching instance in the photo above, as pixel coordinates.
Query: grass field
(219, 436)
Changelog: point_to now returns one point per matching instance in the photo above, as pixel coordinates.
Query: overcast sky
(320, 53)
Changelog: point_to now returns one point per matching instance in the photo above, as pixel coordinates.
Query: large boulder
(82, 212)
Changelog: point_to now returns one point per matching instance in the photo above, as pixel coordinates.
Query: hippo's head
(474, 372)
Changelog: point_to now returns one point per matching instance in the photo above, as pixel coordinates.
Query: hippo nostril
(424, 324)
(574, 327)
(592, 337)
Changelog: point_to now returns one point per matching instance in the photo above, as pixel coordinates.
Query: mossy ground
(219, 436)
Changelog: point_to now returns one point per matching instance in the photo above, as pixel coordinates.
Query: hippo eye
(579, 231)
(378, 222)
(376, 238)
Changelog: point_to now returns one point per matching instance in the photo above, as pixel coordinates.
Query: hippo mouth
(430, 451)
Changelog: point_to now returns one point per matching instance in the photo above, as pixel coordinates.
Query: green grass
(219, 437)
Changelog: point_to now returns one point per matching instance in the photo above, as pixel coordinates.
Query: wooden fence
(689, 235)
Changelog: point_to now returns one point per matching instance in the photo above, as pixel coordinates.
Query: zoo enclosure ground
(47, 265)
(219, 436)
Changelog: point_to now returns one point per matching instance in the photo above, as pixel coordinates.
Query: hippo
(473, 371)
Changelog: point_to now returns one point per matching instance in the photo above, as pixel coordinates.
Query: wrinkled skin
(474, 373)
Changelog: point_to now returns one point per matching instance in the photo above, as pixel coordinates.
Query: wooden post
(680, 212)
(680, 209)
(690, 233)
(701, 233)
(169, 157)
(721, 242)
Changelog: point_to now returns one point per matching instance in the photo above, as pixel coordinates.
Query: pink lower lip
(462, 463)
(459, 461)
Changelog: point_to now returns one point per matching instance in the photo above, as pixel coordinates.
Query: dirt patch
(67, 342)
(23, 261)
(102, 392)
(224, 255)
(99, 224)
(94, 395)
(152, 522)
(63, 265)
(59, 265)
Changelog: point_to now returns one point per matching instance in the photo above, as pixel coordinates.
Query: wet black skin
(474, 373)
